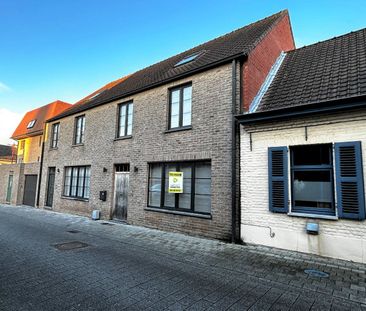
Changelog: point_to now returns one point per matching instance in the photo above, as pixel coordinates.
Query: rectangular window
(312, 179)
(125, 118)
(196, 196)
(22, 145)
(77, 182)
(79, 130)
(54, 135)
(180, 107)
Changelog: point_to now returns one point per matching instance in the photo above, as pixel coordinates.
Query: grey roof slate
(330, 70)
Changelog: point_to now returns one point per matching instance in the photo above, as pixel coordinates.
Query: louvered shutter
(278, 180)
(349, 180)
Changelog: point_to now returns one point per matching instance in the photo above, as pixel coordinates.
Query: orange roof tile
(40, 114)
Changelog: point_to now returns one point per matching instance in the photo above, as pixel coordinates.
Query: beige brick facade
(32, 150)
(343, 239)
(209, 139)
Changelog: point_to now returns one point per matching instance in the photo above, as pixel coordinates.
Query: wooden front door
(121, 186)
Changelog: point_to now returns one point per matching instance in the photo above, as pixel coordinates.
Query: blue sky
(66, 49)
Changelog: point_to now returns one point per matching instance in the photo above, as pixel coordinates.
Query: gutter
(322, 107)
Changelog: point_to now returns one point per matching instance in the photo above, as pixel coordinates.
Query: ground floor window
(312, 179)
(77, 182)
(324, 179)
(193, 185)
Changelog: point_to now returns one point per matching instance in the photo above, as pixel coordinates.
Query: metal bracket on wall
(251, 141)
(306, 133)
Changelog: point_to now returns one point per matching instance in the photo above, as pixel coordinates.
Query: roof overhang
(30, 134)
(324, 107)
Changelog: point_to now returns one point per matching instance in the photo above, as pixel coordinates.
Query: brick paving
(132, 268)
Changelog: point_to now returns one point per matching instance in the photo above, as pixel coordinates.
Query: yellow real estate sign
(175, 182)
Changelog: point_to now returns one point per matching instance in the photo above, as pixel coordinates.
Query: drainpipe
(40, 169)
(233, 153)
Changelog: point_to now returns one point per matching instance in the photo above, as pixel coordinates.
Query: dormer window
(31, 124)
(188, 59)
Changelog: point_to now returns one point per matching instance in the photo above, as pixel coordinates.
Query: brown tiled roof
(331, 70)
(40, 115)
(215, 52)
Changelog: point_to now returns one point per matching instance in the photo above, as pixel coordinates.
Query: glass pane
(187, 119)
(129, 119)
(202, 204)
(313, 189)
(155, 170)
(203, 170)
(174, 122)
(81, 182)
(187, 185)
(187, 106)
(185, 201)
(74, 181)
(154, 199)
(175, 96)
(187, 93)
(67, 181)
(155, 185)
(187, 170)
(169, 200)
(203, 186)
(122, 120)
(312, 154)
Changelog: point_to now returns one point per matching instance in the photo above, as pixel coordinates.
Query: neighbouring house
(303, 152)
(19, 181)
(8, 154)
(160, 148)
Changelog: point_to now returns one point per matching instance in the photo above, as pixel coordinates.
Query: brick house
(8, 154)
(303, 145)
(18, 181)
(160, 148)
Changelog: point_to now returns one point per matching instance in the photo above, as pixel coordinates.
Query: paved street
(132, 268)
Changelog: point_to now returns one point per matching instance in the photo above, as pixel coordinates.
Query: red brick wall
(261, 59)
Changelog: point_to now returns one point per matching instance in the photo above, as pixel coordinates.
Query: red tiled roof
(40, 115)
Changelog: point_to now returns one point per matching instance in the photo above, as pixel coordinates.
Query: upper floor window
(31, 124)
(22, 145)
(125, 118)
(54, 135)
(79, 130)
(180, 107)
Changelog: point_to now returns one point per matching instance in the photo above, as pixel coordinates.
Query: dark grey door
(30, 188)
(10, 189)
(50, 186)
(121, 195)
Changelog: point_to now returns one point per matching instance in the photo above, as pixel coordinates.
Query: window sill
(327, 217)
(74, 199)
(178, 129)
(51, 149)
(123, 137)
(77, 145)
(160, 210)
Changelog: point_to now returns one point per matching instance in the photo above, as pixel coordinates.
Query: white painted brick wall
(341, 238)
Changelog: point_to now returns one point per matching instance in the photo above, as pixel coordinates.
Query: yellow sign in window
(175, 182)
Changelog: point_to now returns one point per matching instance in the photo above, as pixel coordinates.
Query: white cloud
(9, 120)
(4, 88)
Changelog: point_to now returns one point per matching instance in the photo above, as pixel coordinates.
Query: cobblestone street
(133, 268)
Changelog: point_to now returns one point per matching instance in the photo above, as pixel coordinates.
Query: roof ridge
(285, 11)
(327, 40)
